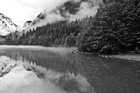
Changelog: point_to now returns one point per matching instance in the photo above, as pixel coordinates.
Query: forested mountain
(115, 28)
(69, 10)
(57, 34)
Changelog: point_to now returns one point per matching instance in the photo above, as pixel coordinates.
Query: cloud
(21, 11)
(84, 10)
(17, 12)
(42, 4)
(67, 10)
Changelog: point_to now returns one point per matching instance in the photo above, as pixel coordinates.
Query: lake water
(28, 69)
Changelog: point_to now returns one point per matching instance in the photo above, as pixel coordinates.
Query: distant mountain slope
(70, 10)
(6, 25)
(27, 24)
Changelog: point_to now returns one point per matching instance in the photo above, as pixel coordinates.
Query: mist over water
(29, 69)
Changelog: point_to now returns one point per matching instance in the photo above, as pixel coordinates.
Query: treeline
(56, 34)
(2, 40)
(114, 29)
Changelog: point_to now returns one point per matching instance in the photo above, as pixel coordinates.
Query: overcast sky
(21, 11)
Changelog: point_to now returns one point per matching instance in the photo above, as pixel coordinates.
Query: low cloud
(21, 11)
(68, 10)
(86, 9)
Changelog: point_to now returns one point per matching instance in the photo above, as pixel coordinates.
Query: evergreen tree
(70, 40)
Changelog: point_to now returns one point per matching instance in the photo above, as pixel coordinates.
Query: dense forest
(114, 29)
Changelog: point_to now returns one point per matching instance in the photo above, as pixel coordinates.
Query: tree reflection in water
(79, 73)
(50, 68)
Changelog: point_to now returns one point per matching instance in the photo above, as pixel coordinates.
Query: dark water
(51, 70)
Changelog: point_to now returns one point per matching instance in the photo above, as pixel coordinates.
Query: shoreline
(74, 50)
(130, 57)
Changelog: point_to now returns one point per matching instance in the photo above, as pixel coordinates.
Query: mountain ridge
(70, 10)
(6, 25)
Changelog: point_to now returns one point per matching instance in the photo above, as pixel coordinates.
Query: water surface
(31, 69)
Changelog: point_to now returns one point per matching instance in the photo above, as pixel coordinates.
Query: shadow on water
(78, 73)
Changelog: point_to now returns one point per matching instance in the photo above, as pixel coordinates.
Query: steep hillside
(70, 10)
(6, 25)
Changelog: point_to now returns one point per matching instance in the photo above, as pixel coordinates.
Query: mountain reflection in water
(48, 71)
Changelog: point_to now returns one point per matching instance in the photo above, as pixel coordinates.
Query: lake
(35, 69)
